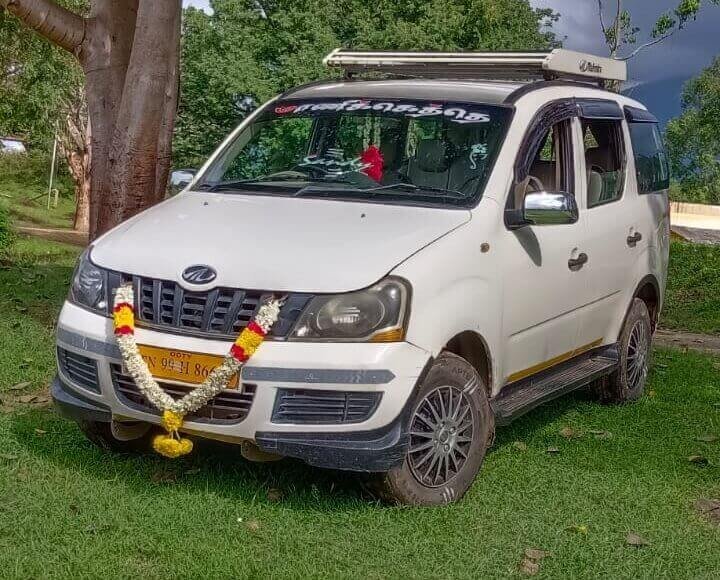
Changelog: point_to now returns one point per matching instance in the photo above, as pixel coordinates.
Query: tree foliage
(38, 81)
(247, 51)
(694, 138)
(5, 231)
(620, 32)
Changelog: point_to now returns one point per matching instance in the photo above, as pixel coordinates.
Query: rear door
(613, 239)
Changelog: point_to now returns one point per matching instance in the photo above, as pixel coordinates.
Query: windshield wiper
(411, 188)
(405, 189)
(263, 181)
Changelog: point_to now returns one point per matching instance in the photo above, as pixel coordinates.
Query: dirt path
(71, 237)
(678, 339)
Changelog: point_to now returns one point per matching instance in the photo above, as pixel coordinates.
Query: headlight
(377, 314)
(89, 285)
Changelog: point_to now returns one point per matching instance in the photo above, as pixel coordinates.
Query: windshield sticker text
(452, 113)
(478, 151)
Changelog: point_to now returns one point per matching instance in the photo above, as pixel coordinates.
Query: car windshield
(397, 150)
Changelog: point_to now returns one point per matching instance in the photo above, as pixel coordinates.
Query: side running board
(525, 395)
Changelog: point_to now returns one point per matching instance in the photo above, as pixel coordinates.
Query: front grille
(221, 312)
(228, 406)
(79, 369)
(316, 406)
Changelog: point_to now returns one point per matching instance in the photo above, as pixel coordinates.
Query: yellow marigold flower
(171, 421)
(124, 317)
(249, 340)
(171, 447)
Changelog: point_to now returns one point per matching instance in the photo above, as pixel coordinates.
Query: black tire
(454, 386)
(627, 384)
(101, 435)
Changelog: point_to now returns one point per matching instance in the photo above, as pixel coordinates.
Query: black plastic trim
(549, 115)
(324, 407)
(72, 405)
(635, 115)
(527, 390)
(599, 110)
(376, 450)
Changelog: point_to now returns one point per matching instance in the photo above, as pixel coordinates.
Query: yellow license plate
(181, 365)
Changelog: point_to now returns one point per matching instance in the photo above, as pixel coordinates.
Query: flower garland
(173, 411)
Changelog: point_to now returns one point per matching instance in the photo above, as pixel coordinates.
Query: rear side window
(651, 163)
(604, 160)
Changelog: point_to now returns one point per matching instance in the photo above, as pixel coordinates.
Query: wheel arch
(648, 290)
(473, 348)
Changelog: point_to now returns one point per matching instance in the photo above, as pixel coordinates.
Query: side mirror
(179, 180)
(544, 208)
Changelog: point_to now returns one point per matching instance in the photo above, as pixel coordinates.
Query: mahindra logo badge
(199, 274)
(589, 66)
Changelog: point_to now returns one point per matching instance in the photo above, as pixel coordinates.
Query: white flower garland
(216, 381)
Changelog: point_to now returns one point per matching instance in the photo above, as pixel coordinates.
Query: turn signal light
(394, 335)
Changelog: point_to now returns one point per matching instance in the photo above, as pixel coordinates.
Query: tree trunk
(129, 51)
(74, 140)
(139, 158)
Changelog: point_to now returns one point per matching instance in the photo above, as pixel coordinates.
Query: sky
(657, 75)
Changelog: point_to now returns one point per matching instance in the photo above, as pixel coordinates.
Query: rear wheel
(451, 427)
(628, 382)
(130, 438)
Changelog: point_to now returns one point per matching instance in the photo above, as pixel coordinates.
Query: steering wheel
(537, 184)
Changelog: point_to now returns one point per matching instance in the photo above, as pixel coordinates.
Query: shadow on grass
(212, 466)
(219, 467)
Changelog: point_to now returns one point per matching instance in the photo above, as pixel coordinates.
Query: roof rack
(517, 66)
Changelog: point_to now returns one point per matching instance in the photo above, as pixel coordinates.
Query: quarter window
(651, 163)
(604, 161)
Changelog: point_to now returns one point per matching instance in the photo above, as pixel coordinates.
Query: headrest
(600, 157)
(432, 156)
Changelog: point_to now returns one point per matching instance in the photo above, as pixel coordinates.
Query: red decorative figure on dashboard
(373, 162)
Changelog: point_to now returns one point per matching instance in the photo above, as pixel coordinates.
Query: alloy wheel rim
(637, 355)
(441, 433)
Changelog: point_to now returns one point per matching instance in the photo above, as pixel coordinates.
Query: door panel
(613, 245)
(542, 296)
(543, 292)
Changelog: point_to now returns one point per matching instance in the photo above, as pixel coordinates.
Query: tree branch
(635, 52)
(602, 18)
(59, 25)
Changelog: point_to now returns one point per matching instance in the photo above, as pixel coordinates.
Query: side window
(552, 166)
(651, 163)
(604, 161)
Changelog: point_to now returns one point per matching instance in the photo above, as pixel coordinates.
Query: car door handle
(634, 239)
(579, 262)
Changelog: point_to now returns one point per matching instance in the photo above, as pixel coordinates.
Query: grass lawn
(23, 190)
(69, 510)
(693, 292)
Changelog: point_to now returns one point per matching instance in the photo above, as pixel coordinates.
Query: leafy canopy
(694, 138)
(247, 51)
(37, 79)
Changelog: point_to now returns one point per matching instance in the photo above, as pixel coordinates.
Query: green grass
(23, 190)
(69, 510)
(693, 292)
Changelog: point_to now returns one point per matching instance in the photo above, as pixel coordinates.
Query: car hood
(273, 243)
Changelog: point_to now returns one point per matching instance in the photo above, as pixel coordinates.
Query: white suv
(452, 253)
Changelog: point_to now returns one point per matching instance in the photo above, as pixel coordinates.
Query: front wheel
(451, 427)
(627, 383)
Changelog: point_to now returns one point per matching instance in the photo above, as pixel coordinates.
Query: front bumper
(374, 444)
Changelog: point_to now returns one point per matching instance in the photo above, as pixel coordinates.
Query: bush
(5, 231)
(29, 174)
